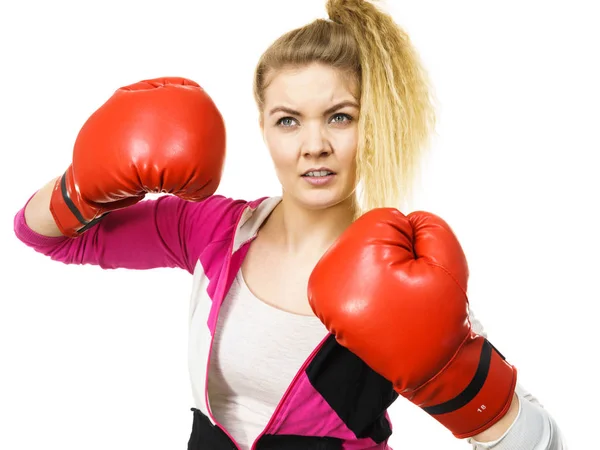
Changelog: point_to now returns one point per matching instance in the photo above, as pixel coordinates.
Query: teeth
(318, 173)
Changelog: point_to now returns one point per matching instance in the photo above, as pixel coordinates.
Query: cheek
(346, 150)
(281, 153)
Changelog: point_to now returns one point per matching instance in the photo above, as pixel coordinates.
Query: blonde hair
(396, 112)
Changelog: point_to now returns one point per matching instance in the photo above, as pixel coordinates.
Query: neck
(302, 230)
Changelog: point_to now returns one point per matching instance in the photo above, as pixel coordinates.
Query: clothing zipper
(290, 387)
(212, 338)
(288, 390)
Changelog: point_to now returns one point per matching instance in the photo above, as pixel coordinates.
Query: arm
(526, 425)
(164, 136)
(37, 212)
(393, 290)
(167, 232)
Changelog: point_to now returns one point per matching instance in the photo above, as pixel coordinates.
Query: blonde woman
(314, 311)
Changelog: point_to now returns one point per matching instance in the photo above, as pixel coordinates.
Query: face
(309, 124)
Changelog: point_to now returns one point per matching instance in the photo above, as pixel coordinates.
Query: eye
(339, 118)
(285, 122)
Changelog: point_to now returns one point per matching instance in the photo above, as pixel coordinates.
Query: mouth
(318, 173)
(319, 178)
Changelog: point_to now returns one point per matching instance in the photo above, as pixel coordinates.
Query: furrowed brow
(328, 111)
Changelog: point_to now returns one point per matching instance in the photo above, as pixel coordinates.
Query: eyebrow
(328, 111)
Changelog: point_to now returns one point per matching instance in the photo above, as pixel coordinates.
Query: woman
(345, 113)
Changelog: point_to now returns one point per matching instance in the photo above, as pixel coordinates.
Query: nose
(315, 143)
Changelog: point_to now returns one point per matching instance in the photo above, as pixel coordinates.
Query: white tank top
(257, 351)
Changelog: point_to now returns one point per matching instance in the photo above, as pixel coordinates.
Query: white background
(98, 359)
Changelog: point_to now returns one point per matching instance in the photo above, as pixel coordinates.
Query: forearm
(37, 212)
(532, 428)
(500, 427)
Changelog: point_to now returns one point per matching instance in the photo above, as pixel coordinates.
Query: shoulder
(219, 211)
(213, 212)
(218, 217)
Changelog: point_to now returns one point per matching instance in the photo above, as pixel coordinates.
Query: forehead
(310, 86)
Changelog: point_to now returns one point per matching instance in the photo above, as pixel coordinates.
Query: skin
(309, 120)
(303, 129)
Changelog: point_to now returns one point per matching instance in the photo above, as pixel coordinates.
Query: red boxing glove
(392, 290)
(164, 136)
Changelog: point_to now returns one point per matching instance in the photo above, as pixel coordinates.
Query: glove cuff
(473, 391)
(71, 214)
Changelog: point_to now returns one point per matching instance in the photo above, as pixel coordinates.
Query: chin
(322, 199)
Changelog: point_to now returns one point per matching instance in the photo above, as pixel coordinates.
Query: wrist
(70, 211)
(37, 215)
(499, 429)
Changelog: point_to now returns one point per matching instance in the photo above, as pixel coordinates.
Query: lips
(318, 172)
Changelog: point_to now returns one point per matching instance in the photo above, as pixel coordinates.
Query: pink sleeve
(166, 232)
